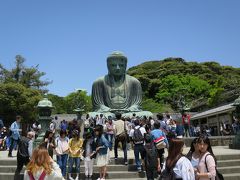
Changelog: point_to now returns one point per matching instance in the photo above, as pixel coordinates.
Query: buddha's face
(117, 67)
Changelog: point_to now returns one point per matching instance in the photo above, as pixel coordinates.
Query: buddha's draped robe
(106, 96)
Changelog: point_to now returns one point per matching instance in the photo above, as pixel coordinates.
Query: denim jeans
(138, 148)
(62, 162)
(13, 144)
(109, 137)
(71, 161)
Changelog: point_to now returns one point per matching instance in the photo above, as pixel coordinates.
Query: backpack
(137, 136)
(168, 173)
(159, 142)
(151, 159)
(42, 176)
(219, 176)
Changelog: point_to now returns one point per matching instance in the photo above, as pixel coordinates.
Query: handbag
(159, 142)
(62, 148)
(219, 176)
(123, 136)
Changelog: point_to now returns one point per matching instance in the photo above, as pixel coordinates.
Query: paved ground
(218, 150)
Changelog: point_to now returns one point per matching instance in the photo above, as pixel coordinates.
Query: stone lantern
(236, 141)
(44, 110)
(79, 112)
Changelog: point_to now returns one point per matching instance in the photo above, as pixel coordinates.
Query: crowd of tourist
(148, 137)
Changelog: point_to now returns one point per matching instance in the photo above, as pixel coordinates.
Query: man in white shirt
(120, 136)
(100, 120)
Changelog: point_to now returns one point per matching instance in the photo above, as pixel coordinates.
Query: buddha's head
(117, 64)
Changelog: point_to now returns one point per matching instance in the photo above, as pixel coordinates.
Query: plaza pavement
(218, 151)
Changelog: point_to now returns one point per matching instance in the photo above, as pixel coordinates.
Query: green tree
(58, 103)
(154, 77)
(78, 99)
(173, 87)
(28, 77)
(154, 107)
(17, 99)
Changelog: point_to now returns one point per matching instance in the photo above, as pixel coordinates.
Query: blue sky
(70, 40)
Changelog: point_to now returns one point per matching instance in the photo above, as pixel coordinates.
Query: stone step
(228, 157)
(110, 175)
(118, 166)
(229, 170)
(118, 176)
(226, 163)
(110, 167)
(232, 176)
(13, 161)
(221, 160)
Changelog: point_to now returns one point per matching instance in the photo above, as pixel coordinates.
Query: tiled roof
(215, 111)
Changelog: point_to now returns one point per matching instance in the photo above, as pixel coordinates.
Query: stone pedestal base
(125, 115)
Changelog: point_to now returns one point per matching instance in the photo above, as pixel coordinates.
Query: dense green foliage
(200, 85)
(20, 90)
(30, 77)
(72, 101)
(16, 99)
(155, 107)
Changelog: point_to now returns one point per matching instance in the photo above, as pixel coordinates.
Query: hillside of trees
(168, 85)
(173, 83)
(22, 87)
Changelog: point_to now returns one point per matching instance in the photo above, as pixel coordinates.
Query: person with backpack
(24, 152)
(207, 163)
(151, 160)
(160, 139)
(176, 165)
(42, 166)
(61, 149)
(137, 137)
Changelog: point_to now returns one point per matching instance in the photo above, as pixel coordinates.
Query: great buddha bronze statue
(117, 92)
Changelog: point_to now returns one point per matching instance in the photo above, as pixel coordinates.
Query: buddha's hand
(133, 108)
(119, 110)
(104, 108)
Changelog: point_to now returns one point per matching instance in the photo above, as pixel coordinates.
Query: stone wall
(214, 140)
